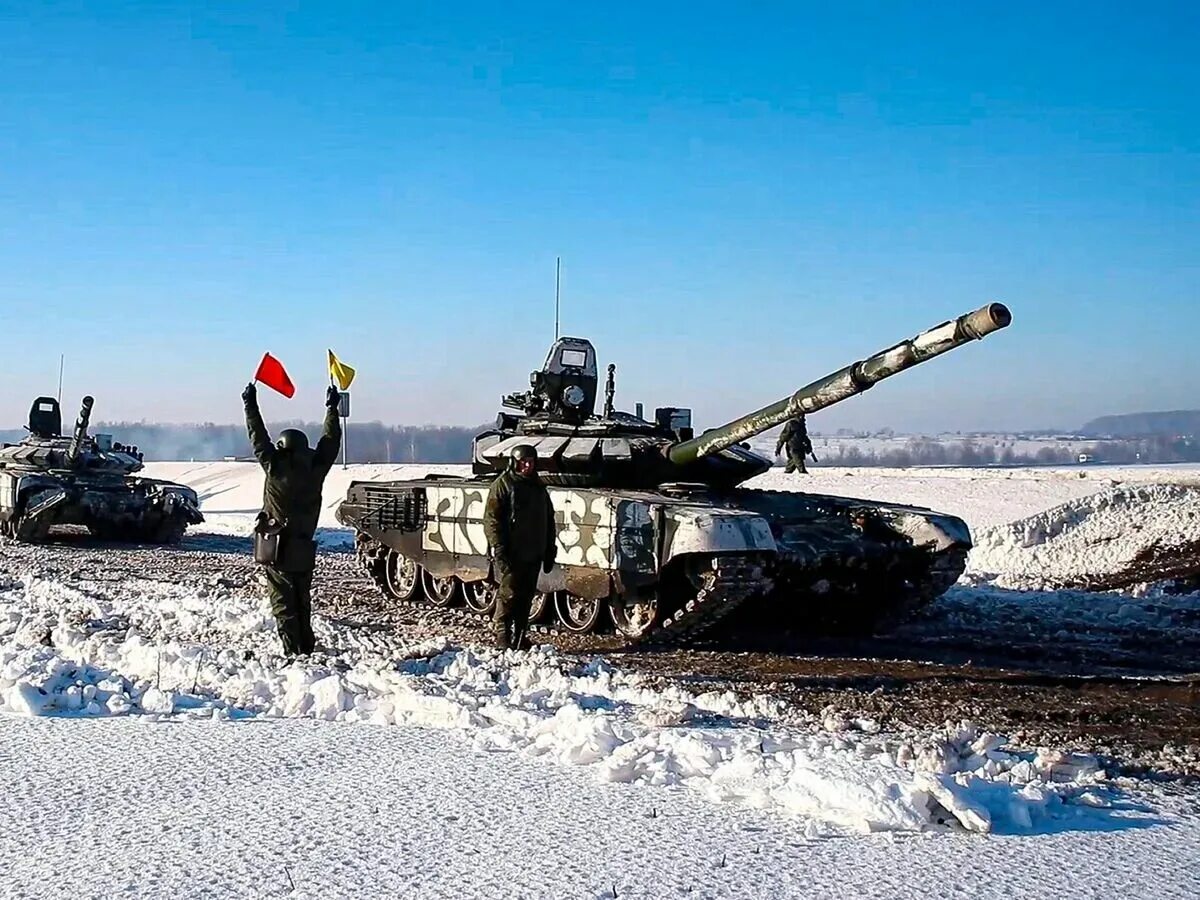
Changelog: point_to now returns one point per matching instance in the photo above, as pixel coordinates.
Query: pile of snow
(1092, 537)
(165, 649)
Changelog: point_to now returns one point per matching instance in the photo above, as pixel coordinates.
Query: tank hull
(114, 508)
(667, 565)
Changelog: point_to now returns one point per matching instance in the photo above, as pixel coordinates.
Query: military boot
(503, 631)
(520, 639)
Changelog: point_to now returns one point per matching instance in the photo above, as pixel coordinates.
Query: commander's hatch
(568, 380)
(45, 418)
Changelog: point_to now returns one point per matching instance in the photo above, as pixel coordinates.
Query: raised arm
(260, 440)
(331, 435)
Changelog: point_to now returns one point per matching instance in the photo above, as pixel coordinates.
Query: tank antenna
(557, 281)
(62, 358)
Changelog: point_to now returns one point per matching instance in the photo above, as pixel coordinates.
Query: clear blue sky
(744, 197)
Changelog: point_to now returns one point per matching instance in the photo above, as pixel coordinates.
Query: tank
(657, 537)
(50, 479)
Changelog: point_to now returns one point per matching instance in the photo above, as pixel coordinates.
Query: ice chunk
(158, 702)
(25, 699)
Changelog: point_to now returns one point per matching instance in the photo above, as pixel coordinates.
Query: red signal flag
(273, 375)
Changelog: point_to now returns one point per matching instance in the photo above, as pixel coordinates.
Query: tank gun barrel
(81, 430)
(853, 379)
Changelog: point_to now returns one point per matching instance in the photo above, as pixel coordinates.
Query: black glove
(250, 394)
(332, 397)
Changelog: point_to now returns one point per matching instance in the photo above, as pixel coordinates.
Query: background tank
(652, 526)
(49, 479)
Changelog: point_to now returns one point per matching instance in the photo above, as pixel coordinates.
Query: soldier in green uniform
(291, 507)
(519, 523)
(795, 437)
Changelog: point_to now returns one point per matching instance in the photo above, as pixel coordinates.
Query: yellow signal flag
(340, 372)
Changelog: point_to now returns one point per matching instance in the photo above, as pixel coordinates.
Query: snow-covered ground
(80, 647)
(152, 742)
(301, 809)
(436, 770)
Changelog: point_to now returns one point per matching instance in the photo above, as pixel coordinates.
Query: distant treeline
(1175, 423)
(365, 441)
(926, 452)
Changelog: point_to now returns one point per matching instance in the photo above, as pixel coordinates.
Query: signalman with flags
(284, 533)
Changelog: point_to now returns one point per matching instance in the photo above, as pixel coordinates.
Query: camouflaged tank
(655, 536)
(48, 480)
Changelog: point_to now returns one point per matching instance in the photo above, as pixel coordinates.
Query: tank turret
(623, 450)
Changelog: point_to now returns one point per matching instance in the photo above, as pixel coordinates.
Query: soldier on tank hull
(284, 533)
(519, 523)
(794, 436)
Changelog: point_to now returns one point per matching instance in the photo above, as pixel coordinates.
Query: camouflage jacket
(795, 437)
(519, 521)
(292, 492)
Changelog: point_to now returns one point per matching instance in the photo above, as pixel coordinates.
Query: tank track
(722, 591)
(166, 530)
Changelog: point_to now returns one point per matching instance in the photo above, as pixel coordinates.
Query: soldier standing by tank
(519, 523)
(284, 534)
(795, 437)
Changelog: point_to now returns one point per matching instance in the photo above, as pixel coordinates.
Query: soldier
(291, 506)
(519, 524)
(795, 437)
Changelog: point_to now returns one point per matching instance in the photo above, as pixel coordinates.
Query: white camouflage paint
(8, 491)
(930, 530)
(600, 530)
(707, 531)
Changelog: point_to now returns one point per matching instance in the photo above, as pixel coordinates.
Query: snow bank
(159, 649)
(1089, 538)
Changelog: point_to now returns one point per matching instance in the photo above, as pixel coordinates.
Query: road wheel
(634, 614)
(403, 577)
(481, 596)
(537, 609)
(579, 615)
(441, 592)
